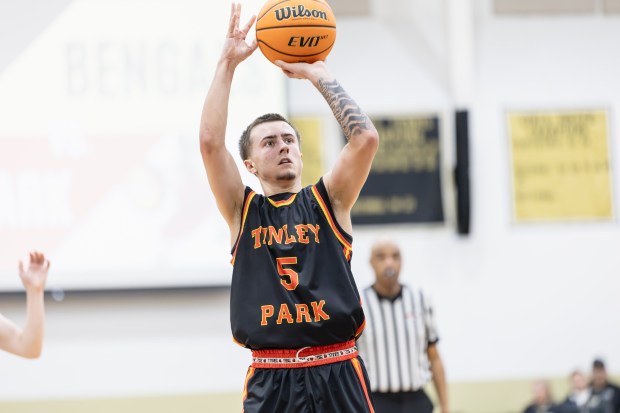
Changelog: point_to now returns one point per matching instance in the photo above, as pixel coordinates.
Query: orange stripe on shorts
(360, 375)
(245, 386)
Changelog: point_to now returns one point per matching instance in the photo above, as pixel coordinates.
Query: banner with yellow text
(560, 165)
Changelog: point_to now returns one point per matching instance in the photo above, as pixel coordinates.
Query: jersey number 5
(293, 277)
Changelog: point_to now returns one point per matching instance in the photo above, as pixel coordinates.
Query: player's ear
(249, 165)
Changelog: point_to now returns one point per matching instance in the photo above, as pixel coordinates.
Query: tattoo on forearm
(351, 118)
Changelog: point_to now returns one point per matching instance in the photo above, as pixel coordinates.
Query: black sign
(404, 184)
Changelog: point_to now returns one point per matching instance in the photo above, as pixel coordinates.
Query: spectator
(578, 396)
(605, 395)
(542, 401)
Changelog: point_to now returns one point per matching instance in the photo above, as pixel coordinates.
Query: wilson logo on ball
(286, 13)
(302, 41)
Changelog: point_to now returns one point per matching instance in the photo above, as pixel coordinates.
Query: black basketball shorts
(319, 380)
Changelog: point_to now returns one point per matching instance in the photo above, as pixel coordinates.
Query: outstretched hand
(236, 49)
(311, 71)
(35, 276)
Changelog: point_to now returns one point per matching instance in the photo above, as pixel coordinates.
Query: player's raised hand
(34, 276)
(236, 48)
(311, 71)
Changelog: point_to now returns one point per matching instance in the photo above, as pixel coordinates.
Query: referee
(399, 343)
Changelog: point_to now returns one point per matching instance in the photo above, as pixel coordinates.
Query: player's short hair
(244, 140)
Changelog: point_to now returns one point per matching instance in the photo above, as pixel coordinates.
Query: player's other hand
(311, 71)
(236, 48)
(35, 275)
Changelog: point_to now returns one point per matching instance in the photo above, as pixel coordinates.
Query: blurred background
(496, 175)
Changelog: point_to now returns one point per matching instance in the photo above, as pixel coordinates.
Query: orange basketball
(296, 30)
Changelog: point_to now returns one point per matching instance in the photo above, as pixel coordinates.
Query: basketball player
(294, 302)
(29, 341)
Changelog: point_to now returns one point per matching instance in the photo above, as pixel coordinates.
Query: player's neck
(281, 187)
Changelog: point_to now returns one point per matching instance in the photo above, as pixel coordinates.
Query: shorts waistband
(303, 357)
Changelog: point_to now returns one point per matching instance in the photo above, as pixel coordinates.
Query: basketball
(296, 30)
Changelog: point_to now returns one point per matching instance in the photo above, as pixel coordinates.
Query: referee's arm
(439, 377)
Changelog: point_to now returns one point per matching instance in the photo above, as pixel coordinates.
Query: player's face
(385, 260)
(275, 154)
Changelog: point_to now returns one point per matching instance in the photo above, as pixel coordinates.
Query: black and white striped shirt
(394, 342)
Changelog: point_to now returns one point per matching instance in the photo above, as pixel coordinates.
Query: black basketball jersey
(292, 284)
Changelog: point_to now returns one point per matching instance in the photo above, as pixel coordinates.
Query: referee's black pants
(402, 402)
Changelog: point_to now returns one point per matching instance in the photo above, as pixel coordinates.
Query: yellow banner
(311, 131)
(560, 165)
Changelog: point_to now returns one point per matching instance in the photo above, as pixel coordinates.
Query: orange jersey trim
(359, 330)
(360, 375)
(246, 207)
(282, 203)
(237, 343)
(347, 246)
